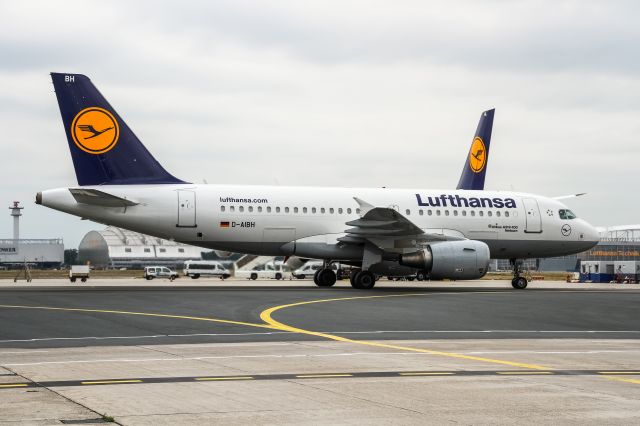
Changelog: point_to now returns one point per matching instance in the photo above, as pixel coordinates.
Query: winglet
(564, 197)
(364, 206)
(475, 167)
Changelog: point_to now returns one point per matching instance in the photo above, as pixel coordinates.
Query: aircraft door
(186, 209)
(533, 219)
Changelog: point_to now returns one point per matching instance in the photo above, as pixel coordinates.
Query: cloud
(358, 93)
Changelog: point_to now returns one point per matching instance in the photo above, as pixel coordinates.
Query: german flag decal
(224, 224)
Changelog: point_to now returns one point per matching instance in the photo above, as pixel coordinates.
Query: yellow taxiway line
(267, 317)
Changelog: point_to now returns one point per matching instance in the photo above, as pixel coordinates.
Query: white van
(151, 272)
(270, 270)
(309, 269)
(206, 268)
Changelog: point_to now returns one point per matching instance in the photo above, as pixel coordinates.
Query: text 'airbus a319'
(439, 234)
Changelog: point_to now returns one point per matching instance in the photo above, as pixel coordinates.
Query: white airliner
(437, 234)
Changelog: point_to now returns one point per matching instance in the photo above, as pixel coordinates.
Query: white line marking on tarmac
(344, 354)
(160, 336)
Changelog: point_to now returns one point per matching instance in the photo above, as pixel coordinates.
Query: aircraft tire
(352, 277)
(364, 280)
(316, 277)
(326, 278)
(519, 283)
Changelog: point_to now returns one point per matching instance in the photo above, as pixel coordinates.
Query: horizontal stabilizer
(99, 198)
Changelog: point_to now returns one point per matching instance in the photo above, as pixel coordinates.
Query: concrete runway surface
(287, 352)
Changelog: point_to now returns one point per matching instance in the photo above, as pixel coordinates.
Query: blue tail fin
(103, 148)
(475, 167)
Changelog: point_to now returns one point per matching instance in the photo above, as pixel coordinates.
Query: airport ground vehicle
(449, 234)
(205, 268)
(151, 272)
(270, 270)
(79, 271)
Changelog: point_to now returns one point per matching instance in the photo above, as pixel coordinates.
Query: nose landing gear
(518, 282)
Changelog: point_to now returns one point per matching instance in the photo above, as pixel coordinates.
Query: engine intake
(466, 259)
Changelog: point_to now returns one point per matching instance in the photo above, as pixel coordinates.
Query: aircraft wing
(387, 228)
(95, 197)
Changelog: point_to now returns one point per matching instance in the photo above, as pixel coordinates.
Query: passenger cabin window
(437, 212)
(250, 208)
(455, 212)
(473, 212)
(481, 213)
(221, 208)
(498, 214)
(331, 210)
(232, 208)
(489, 213)
(340, 211)
(357, 211)
(313, 210)
(349, 210)
(304, 210)
(277, 209)
(286, 209)
(322, 210)
(566, 214)
(430, 212)
(506, 214)
(446, 212)
(295, 210)
(421, 212)
(259, 209)
(268, 209)
(464, 212)
(241, 208)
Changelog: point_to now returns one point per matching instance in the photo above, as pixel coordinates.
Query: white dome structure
(117, 248)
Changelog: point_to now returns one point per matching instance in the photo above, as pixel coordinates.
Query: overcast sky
(333, 93)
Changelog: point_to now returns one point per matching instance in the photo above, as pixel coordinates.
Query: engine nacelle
(465, 260)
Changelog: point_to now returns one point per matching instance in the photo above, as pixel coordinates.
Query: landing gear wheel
(364, 280)
(519, 283)
(325, 278)
(352, 277)
(316, 277)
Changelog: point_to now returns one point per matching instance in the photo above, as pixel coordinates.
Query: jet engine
(466, 259)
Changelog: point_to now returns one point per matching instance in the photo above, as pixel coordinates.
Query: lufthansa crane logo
(566, 230)
(95, 130)
(477, 155)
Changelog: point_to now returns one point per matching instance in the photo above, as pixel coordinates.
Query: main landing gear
(324, 277)
(362, 280)
(518, 282)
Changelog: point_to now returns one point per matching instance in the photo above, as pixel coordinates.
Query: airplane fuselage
(306, 221)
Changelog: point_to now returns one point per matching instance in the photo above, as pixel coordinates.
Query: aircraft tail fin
(475, 167)
(103, 148)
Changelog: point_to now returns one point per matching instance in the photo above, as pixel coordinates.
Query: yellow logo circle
(95, 130)
(477, 155)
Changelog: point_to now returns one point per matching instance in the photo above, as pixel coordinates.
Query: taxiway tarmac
(284, 353)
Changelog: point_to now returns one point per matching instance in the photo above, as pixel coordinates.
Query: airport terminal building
(119, 248)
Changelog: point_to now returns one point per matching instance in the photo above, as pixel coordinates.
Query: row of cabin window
(313, 210)
(148, 250)
(455, 213)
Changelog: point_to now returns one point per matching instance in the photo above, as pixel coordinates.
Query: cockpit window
(566, 214)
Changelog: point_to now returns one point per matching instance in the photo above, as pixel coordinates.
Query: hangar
(119, 248)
